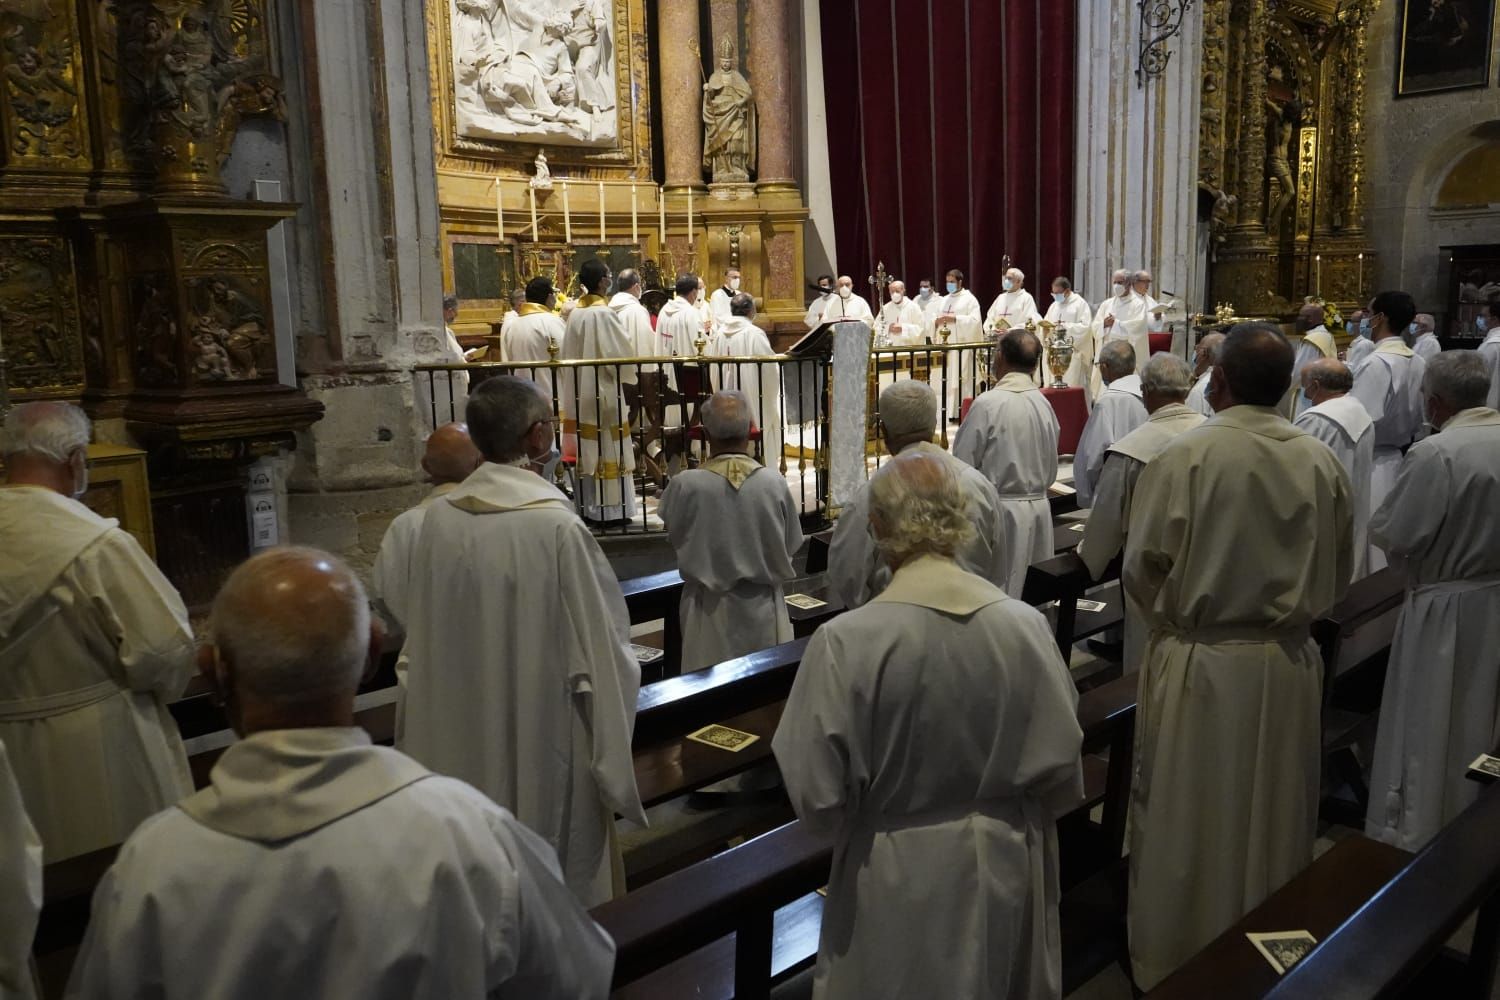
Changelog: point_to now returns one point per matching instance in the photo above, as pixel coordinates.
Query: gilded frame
(1425, 48)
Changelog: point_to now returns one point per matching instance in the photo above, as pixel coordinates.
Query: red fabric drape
(950, 137)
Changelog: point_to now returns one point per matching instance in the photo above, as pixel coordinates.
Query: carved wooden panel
(39, 315)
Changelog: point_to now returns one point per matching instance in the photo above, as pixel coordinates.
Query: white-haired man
(1140, 283)
(1239, 540)
(1441, 706)
(900, 321)
(846, 305)
(1425, 343)
(1071, 313)
(1011, 437)
(1013, 307)
(94, 642)
(391, 881)
(739, 337)
(934, 733)
(1205, 358)
(1340, 421)
(1118, 411)
(908, 422)
(1488, 322)
(20, 887)
(734, 526)
(1164, 387)
(534, 333)
(1122, 316)
(532, 701)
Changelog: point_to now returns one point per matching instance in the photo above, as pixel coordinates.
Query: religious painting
(539, 71)
(1444, 45)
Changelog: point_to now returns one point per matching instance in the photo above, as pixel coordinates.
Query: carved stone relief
(231, 340)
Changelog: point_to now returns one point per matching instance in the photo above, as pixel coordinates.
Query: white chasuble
(1118, 411)
(636, 319)
(1130, 323)
(1427, 346)
(1490, 351)
(1441, 706)
(1343, 425)
(521, 678)
(1076, 318)
(678, 327)
(527, 338)
(390, 578)
(1316, 344)
(934, 734)
(94, 643)
(1011, 437)
(595, 407)
(1239, 539)
(316, 864)
(1010, 311)
(1359, 349)
(1389, 384)
(20, 887)
(856, 570)
(738, 337)
(954, 378)
(854, 307)
(735, 528)
(899, 324)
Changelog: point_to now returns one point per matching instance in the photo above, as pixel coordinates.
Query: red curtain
(950, 137)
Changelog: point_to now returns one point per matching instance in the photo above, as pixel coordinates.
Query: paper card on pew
(723, 737)
(1283, 949)
(646, 654)
(1486, 765)
(1079, 526)
(1092, 606)
(805, 602)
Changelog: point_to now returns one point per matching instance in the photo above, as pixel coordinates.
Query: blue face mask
(1412, 329)
(1059, 296)
(1007, 284)
(952, 287)
(1364, 328)
(1481, 324)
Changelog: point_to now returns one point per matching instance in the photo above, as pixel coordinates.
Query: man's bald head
(450, 454)
(1325, 379)
(1255, 368)
(291, 639)
(1116, 359)
(1206, 354)
(1310, 317)
(727, 420)
(1020, 351)
(1426, 323)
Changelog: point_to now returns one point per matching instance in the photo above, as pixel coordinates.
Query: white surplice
(1239, 539)
(1130, 324)
(899, 324)
(636, 319)
(856, 570)
(391, 575)
(1118, 411)
(1389, 384)
(1011, 310)
(934, 734)
(594, 409)
(719, 304)
(1011, 436)
(735, 528)
(1076, 318)
(1198, 395)
(316, 864)
(953, 378)
(521, 680)
(1359, 349)
(1490, 351)
(814, 318)
(1427, 346)
(1109, 516)
(761, 383)
(1343, 425)
(854, 307)
(1441, 706)
(678, 327)
(20, 887)
(527, 338)
(94, 642)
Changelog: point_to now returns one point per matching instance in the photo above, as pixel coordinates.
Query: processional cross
(879, 281)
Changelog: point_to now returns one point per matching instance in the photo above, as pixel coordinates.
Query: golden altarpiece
(1282, 148)
(129, 280)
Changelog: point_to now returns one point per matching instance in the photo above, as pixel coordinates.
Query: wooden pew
(659, 596)
(1065, 579)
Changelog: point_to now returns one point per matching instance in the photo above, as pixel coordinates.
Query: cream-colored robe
(1198, 395)
(636, 319)
(906, 318)
(854, 307)
(814, 318)
(1315, 345)
(735, 528)
(678, 327)
(1118, 411)
(1104, 536)
(527, 339)
(740, 338)
(1343, 425)
(1427, 346)
(1239, 539)
(1359, 349)
(594, 409)
(719, 303)
(94, 642)
(389, 579)
(934, 733)
(1011, 437)
(1389, 384)
(20, 887)
(1131, 323)
(1011, 310)
(953, 378)
(521, 678)
(1441, 706)
(316, 864)
(857, 571)
(1076, 318)
(1490, 351)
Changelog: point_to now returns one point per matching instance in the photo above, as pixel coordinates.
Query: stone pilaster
(681, 92)
(771, 79)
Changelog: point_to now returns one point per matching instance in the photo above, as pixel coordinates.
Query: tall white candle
(635, 234)
(534, 231)
(499, 213)
(690, 219)
(1318, 275)
(1361, 274)
(567, 217)
(661, 206)
(602, 238)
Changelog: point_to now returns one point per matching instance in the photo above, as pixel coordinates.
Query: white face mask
(897, 297)
(845, 291)
(734, 284)
(1119, 290)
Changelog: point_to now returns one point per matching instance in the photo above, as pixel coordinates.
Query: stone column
(1253, 126)
(771, 79)
(681, 92)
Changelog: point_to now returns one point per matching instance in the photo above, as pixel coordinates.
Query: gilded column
(1354, 206)
(1253, 125)
(681, 92)
(771, 79)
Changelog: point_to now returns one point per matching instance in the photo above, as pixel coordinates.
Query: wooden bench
(1065, 579)
(659, 596)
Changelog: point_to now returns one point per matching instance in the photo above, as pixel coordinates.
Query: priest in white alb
(908, 423)
(315, 863)
(956, 319)
(1156, 310)
(20, 887)
(739, 337)
(735, 528)
(595, 402)
(1438, 525)
(1164, 387)
(439, 396)
(1205, 359)
(1239, 539)
(534, 334)
(933, 733)
(1119, 410)
(846, 305)
(94, 644)
(1013, 307)
(1340, 421)
(1011, 437)
(823, 292)
(517, 297)
(1389, 384)
(1122, 316)
(900, 320)
(718, 302)
(1489, 348)
(634, 317)
(679, 325)
(521, 680)
(1425, 343)
(1072, 315)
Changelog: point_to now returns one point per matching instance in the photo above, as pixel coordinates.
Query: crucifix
(879, 281)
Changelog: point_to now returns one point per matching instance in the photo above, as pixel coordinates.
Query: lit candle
(602, 239)
(635, 235)
(567, 217)
(1318, 275)
(661, 205)
(499, 214)
(690, 219)
(1361, 274)
(534, 231)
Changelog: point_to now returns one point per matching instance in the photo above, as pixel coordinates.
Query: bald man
(845, 305)
(1316, 343)
(900, 322)
(1239, 539)
(447, 460)
(1341, 422)
(390, 880)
